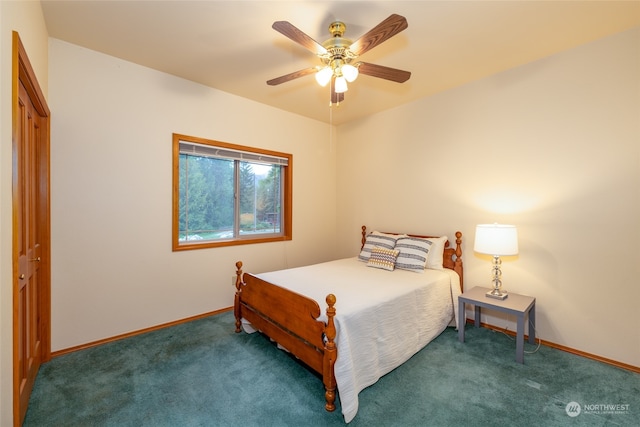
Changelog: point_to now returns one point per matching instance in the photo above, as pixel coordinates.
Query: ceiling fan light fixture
(337, 53)
(323, 77)
(349, 72)
(341, 84)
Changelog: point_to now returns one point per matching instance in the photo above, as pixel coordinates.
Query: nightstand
(521, 306)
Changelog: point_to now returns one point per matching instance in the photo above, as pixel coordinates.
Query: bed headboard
(452, 256)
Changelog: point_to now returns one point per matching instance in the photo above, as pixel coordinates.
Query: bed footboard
(291, 320)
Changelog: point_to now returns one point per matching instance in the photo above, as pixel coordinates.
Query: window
(225, 194)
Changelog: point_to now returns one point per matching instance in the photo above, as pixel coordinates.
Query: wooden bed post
(236, 303)
(364, 236)
(330, 356)
(457, 265)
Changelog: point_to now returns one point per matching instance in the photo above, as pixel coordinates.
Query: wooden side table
(521, 306)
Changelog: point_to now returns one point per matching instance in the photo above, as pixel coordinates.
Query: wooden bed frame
(290, 319)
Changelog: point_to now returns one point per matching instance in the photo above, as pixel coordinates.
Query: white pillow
(436, 253)
(377, 239)
(413, 254)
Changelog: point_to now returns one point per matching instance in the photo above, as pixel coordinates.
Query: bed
(375, 318)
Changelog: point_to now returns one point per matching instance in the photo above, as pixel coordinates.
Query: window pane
(206, 198)
(260, 198)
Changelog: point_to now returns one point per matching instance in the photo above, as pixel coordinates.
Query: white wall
(26, 18)
(113, 270)
(552, 147)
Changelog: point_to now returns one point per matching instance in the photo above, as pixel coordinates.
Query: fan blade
(289, 30)
(291, 76)
(336, 97)
(380, 33)
(383, 72)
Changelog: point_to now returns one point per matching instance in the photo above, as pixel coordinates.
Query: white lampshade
(324, 76)
(341, 85)
(349, 72)
(496, 239)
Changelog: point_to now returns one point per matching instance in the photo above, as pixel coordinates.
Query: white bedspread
(382, 317)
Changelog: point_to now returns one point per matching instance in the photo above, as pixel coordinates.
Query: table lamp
(496, 240)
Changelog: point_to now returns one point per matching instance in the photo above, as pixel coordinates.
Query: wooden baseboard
(139, 332)
(565, 348)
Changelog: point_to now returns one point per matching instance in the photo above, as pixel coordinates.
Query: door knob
(21, 277)
(35, 259)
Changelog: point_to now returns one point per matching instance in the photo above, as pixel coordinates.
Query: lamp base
(497, 294)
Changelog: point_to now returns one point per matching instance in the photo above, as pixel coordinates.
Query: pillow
(383, 258)
(436, 254)
(377, 239)
(414, 253)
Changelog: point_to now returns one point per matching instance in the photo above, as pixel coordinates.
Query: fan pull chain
(331, 130)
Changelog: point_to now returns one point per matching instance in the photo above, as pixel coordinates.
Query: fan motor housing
(337, 46)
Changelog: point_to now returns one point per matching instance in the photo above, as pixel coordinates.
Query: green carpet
(201, 373)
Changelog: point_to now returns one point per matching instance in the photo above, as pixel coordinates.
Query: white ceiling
(230, 45)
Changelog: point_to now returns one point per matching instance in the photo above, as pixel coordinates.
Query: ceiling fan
(338, 55)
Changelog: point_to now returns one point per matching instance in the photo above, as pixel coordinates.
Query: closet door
(31, 237)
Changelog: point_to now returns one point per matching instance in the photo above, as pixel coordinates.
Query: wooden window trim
(287, 209)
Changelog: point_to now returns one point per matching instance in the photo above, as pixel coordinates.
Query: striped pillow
(383, 258)
(377, 239)
(413, 253)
